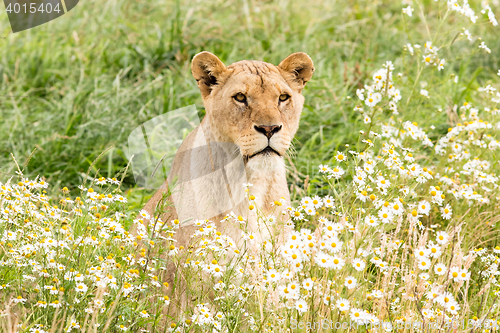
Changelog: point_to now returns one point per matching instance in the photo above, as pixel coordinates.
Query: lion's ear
(207, 70)
(298, 67)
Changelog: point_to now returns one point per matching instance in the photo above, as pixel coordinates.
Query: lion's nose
(268, 131)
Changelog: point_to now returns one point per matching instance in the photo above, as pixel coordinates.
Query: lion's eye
(239, 97)
(284, 97)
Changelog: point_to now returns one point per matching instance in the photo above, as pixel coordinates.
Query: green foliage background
(80, 84)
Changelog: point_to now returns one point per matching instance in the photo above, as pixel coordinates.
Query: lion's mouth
(266, 151)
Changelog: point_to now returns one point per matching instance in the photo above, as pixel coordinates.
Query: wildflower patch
(406, 237)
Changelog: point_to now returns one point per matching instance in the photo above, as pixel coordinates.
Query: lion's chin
(264, 163)
(266, 158)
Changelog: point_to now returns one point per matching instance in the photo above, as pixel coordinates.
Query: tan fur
(228, 120)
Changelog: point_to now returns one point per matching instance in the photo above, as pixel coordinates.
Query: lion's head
(254, 104)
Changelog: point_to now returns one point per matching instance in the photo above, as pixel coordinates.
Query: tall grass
(80, 84)
(402, 153)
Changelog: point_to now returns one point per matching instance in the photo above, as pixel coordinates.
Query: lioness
(256, 107)
(252, 111)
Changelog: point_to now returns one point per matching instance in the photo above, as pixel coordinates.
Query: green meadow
(77, 86)
(393, 173)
